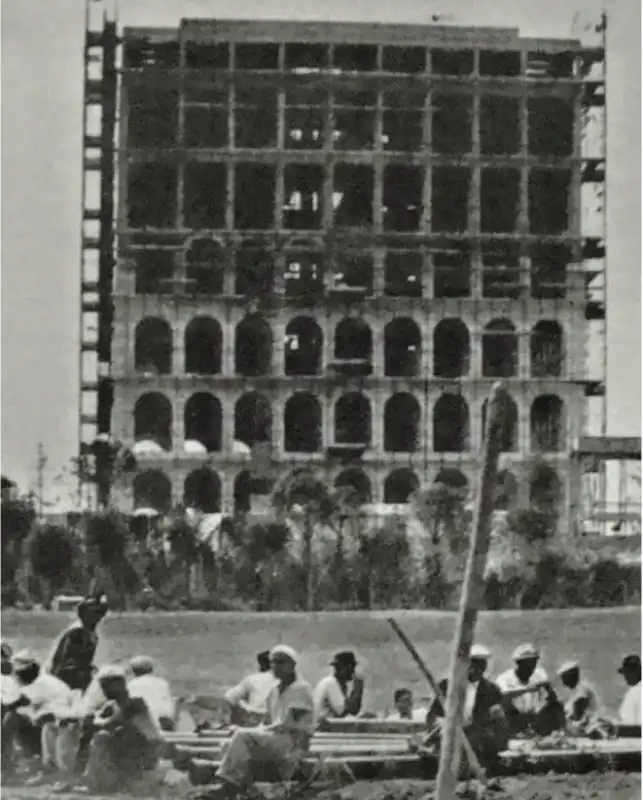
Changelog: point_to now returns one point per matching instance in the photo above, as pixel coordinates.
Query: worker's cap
(479, 653)
(567, 666)
(142, 664)
(111, 672)
(6, 650)
(283, 651)
(630, 662)
(525, 652)
(24, 660)
(346, 658)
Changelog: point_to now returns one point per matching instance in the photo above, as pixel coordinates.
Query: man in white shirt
(249, 699)
(154, 690)
(340, 694)
(404, 708)
(630, 710)
(581, 704)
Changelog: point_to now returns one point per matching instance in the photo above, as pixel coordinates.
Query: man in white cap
(154, 690)
(582, 704)
(530, 702)
(278, 745)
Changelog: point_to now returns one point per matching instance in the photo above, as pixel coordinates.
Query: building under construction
(319, 245)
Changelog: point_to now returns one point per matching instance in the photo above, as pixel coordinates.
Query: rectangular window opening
(452, 123)
(255, 118)
(501, 272)
(500, 63)
(499, 125)
(152, 116)
(355, 57)
(257, 56)
(550, 126)
(353, 195)
(254, 196)
(254, 273)
(548, 200)
(206, 127)
(304, 274)
(354, 129)
(152, 195)
(140, 52)
(450, 188)
(499, 200)
(354, 271)
(402, 197)
(199, 55)
(306, 56)
(550, 65)
(154, 271)
(549, 271)
(404, 60)
(402, 130)
(303, 196)
(452, 62)
(451, 273)
(205, 195)
(403, 273)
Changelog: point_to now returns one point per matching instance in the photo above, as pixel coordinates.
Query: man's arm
(353, 703)
(238, 694)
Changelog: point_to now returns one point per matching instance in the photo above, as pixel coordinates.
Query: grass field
(205, 652)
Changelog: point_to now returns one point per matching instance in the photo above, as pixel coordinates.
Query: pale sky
(41, 162)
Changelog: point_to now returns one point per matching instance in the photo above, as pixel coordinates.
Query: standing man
(630, 710)
(340, 694)
(249, 699)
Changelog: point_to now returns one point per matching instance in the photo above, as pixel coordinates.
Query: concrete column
(227, 426)
(278, 348)
(524, 437)
(427, 125)
(278, 426)
(524, 353)
(378, 272)
(227, 493)
(377, 421)
(523, 211)
(474, 193)
(178, 347)
(476, 352)
(178, 422)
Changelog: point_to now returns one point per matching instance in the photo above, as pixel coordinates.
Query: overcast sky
(41, 160)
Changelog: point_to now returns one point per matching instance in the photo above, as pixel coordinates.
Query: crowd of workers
(105, 728)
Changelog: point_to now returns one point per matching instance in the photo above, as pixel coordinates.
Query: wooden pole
(473, 759)
(472, 594)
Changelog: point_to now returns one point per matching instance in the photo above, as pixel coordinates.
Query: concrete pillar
(377, 421)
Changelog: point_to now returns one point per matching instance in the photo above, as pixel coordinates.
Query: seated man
(630, 710)
(340, 694)
(249, 699)
(280, 744)
(9, 690)
(154, 690)
(582, 706)
(404, 708)
(530, 702)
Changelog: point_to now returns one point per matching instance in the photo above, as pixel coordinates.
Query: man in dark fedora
(340, 694)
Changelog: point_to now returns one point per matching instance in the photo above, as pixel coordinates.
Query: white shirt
(46, 695)
(630, 711)
(526, 703)
(330, 700)
(9, 690)
(296, 697)
(254, 690)
(417, 715)
(157, 694)
(470, 701)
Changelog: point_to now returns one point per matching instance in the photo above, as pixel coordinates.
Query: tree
(18, 518)
(52, 551)
(185, 547)
(384, 555)
(108, 538)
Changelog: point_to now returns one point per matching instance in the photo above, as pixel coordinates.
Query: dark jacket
(488, 697)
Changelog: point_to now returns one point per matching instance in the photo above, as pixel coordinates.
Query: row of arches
(353, 341)
(202, 488)
(353, 422)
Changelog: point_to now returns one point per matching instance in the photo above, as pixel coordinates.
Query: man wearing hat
(154, 690)
(530, 702)
(340, 694)
(249, 699)
(582, 705)
(630, 710)
(280, 744)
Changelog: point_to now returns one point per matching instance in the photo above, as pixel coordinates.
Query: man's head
(526, 659)
(283, 662)
(630, 669)
(6, 663)
(478, 659)
(92, 610)
(263, 659)
(403, 699)
(569, 674)
(113, 682)
(344, 665)
(141, 665)
(25, 668)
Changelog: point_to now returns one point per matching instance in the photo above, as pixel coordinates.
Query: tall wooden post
(472, 594)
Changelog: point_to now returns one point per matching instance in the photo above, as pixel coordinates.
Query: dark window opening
(411, 98)
(548, 200)
(402, 348)
(153, 346)
(242, 492)
(198, 90)
(207, 56)
(302, 424)
(353, 419)
(452, 62)
(254, 273)
(303, 347)
(353, 129)
(203, 346)
(348, 96)
(304, 274)
(154, 271)
(451, 349)
(153, 420)
(152, 489)
(451, 274)
(254, 196)
(400, 485)
(550, 65)
(205, 263)
(404, 60)
(140, 52)
(303, 128)
(506, 491)
(450, 199)
(353, 341)
(453, 477)
(356, 484)
(403, 273)
(402, 130)
(547, 424)
(205, 194)
(450, 424)
(253, 419)
(549, 271)
(545, 491)
(509, 437)
(499, 350)
(499, 200)
(547, 350)
(306, 56)
(402, 197)
(499, 125)
(451, 132)
(353, 271)
(303, 196)
(353, 195)
(202, 491)
(550, 126)
(152, 116)
(505, 63)
(401, 424)
(501, 271)
(306, 95)
(206, 127)
(355, 57)
(203, 421)
(256, 56)
(253, 347)
(151, 196)
(255, 118)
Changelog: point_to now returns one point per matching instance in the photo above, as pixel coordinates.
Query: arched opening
(242, 492)
(400, 485)
(153, 346)
(153, 419)
(506, 490)
(499, 349)
(253, 347)
(302, 424)
(451, 349)
(547, 350)
(203, 346)
(203, 421)
(546, 424)
(453, 477)
(357, 482)
(450, 424)
(152, 489)
(253, 419)
(353, 419)
(353, 340)
(545, 490)
(509, 440)
(202, 491)
(402, 348)
(401, 424)
(205, 263)
(304, 343)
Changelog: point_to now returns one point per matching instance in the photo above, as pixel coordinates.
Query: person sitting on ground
(530, 702)
(404, 708)
(154, 690)
(249, 699)
(582, 706)
(280, 744)
(9, 689)
(484, 721)
(630, 710)
(340, 694)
